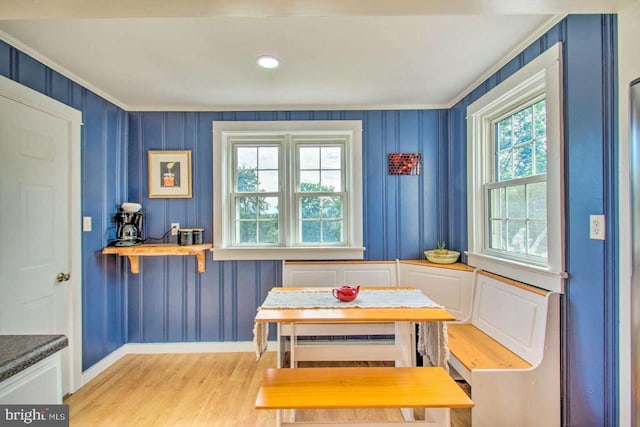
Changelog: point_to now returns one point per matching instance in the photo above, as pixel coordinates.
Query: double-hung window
(515, 198)
(516, 195)
(288, 190)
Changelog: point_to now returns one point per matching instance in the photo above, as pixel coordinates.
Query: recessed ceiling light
(267, 61)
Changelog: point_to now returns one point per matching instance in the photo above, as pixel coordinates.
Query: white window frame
(541, 75)
(269, 141)
(332, 140)
(348, 132)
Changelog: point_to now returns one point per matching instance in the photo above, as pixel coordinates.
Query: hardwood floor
(194, 389)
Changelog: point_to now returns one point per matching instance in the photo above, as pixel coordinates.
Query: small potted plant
(441, 255)
(441, 248)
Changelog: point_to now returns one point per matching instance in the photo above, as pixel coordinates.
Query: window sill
(236, 254)
(535, 276)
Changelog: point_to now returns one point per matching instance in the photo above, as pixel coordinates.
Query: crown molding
(58, 68)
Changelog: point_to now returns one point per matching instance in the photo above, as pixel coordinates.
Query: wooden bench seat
(477, 350)
(362, 387)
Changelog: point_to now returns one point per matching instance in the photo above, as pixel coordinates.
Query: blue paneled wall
(168, 301)
(104, 185)
(590, 309)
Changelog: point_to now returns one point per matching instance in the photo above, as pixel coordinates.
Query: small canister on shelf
(185, 237)
(198, 236)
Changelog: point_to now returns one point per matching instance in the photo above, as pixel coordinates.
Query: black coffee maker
(129, 225)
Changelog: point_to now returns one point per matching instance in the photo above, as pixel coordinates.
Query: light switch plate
(86, 223)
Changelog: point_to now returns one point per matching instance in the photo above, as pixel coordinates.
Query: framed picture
(169, 174)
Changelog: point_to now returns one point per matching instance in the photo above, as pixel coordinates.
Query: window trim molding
(222, 174)
(543, 72)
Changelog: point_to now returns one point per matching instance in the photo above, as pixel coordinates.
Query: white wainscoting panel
(338, 273)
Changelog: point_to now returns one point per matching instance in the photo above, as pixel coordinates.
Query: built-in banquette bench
(505, 343)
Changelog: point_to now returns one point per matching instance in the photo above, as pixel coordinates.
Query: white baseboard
(102, 365)
(162, 348)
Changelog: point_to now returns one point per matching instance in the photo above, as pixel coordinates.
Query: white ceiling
(200, 54)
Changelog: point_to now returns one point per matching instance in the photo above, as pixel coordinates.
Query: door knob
(62, 277)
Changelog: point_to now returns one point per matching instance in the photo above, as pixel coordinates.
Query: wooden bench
(379, 387)
(509, 352)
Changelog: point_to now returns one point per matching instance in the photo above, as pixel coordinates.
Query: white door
(35, 215)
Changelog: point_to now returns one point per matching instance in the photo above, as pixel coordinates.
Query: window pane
(517, 236)
(541, 156)
(538, 238)
(246, 207)
(537, 200)
(497, 235)
(331, 181)
(268, 181)
(247, 180)
(267, 207)
(268, 158)
(539, 119)
(505, 163)
(247, 158)
(331, 158)
(504, 134)
(522, 126)
(332, 231)
(309, 158)
(516, 202)
(310, 231)
(246, 231)
(523, 161)
(268, 232)
(309, 181)
(331, 207)
(309, 207)
(257, 220)
(497, 201)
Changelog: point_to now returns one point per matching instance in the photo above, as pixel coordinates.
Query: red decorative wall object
(404, 164)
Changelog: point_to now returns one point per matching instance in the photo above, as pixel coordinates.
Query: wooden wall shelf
(159, 249)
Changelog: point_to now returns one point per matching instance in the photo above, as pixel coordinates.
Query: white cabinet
(38, 384)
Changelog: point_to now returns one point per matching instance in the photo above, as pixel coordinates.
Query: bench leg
(281, 347)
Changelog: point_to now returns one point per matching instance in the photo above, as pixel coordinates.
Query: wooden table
(401, 319)
(351, 314)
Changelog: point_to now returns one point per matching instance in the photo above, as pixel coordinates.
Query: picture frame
(169, 174)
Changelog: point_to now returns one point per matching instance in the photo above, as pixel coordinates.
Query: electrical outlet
(175, 226)
(596, 227)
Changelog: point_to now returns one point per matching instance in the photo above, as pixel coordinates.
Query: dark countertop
(18, 352)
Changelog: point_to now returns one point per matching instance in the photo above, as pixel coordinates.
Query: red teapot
(346, 293)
